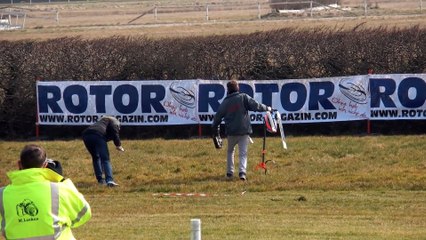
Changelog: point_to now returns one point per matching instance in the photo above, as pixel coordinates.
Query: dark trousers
(98, 149)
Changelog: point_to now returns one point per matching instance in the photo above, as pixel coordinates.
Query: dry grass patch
(106, 19)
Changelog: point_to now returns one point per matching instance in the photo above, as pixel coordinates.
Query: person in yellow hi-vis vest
(40, 203)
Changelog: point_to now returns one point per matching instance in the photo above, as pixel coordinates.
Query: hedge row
(279, 54)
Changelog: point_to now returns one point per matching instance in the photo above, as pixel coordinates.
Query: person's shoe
(112, 184)
(102, 182)
(229, 176)
(243, 177)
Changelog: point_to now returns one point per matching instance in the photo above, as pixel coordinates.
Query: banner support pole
(37, 124)
(369, 71)
(37, 128)
(368, 127)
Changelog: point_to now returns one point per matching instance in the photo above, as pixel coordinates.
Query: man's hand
(120, 148)
(269, 109)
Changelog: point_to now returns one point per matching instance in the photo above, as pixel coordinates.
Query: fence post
(311, 6)
(207, 12)
(155, 13)
(421, 6)
(365, 7)
(258, 11)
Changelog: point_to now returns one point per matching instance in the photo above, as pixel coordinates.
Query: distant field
(188, 18)
(348, 187)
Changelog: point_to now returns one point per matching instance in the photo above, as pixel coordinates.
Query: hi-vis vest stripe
(3, 223)
(54, 189)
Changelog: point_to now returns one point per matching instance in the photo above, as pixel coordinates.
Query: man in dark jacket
(95, 139)
(234, 111)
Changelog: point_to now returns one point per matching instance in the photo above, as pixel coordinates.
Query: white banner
(387, 97)
(313, 100)
(132, 102)
(397, 97)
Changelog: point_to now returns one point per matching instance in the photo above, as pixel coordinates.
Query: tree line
(279, 54)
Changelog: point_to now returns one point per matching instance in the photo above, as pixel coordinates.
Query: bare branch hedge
(279, 54)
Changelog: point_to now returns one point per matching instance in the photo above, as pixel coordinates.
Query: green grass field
(347, 187)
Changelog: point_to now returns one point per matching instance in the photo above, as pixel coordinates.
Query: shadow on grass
(178, 184)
